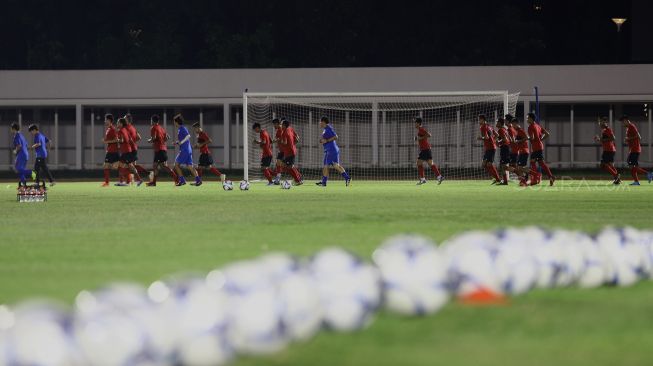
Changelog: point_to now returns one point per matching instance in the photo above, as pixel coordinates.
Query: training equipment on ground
(244, 185)
(376, 130)
(228, 185)
(414, 274)
(32, 194)
(286, 184)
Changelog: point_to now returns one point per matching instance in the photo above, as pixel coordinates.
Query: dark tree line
(108, 34)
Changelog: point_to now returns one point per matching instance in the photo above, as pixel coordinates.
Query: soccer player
(135, 138)
(537, 134)
(634, 148)
(206, 160)
(609, 149)
(425, 154)
(278, 164)
(289, 139)
(40, 146)
(265, 143)
(112, 157)
(514, 147)
(185, 156)
(22, 155)
(331, 153)
(487, 136)
(158, 139)
(504, 142)
(126, 163)
(521, 142)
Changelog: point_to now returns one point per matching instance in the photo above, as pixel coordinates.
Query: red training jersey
(158, 135)
(125, 145)
(608, 146)
(133, 135)
(278, 133)
(488, 134)
(423, 144)
(522, 146)
(535, 132)
(266, 144)
(111, 134)
(504, 136)
(289, 148)
(203, 137)
(514, 147)
(633, 142)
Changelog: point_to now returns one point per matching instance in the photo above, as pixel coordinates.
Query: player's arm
(424, 137)
(545, 134)
(201, 144)
(332, 138)
(183, 141)
(296, 137)
(484, 136)
(138, 136)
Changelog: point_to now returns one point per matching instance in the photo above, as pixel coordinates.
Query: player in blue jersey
(22, 155)
(40, 147)
(331, 153)
(185, 156)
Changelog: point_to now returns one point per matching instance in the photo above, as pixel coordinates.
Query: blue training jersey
(19, 139)
(327, 134)
(41, 151)
(181, 134)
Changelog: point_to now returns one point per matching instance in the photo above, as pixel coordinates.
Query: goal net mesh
(376, 133)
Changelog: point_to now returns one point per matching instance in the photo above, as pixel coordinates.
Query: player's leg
(420, 172)
(545, 167)
(181, 180)
(189, 163)
(39, 173)
(137, 176)
(436, 171)
(289, 163)
(20, 165)
(336, 165)
(265, 168)
(325, 175)
(488, 164)
(47, 172)
(279, 168)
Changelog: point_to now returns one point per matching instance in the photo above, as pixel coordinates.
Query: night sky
(119, 34)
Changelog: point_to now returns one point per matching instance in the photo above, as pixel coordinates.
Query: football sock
(640, 170)
(268, 174)
(633, 172)
(324, 180)
(215, 171)
(494, 173)
(546, 169)
(140, 169)
(200, 171)
(106, 176)
(345, 175)
(435, 170)
(420, 172)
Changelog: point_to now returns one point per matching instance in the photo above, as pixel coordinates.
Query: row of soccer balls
(228, 185)
(259, 306)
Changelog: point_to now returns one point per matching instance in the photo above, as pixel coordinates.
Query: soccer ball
(228, 185)
(517, 268)
(624, 257)
(349, 290)
(286, 184)
(595, 272)
(546, 256)
(244, 185)
(414, 275)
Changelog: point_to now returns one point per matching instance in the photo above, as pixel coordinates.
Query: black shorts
(111, 157)
(522, 159)
(205, 160)
(537, 155)
(607, 157)
(126, 158)
(633, 159)
(289, 160)
(488, 155)
(266, 161)
(513, 158)
(504, 155)
(425, 155)
(161, 156)
(280, 156)
(134, 155)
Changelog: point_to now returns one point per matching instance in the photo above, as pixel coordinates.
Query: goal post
(376, 131)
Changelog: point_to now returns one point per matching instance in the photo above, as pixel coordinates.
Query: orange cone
(483, 296)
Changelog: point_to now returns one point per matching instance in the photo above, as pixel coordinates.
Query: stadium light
(619, 22)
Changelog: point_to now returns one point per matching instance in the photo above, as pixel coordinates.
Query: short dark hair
(514, 120)
(509, 117)
(109, 117)
(501, 121)
(275, 121)
(531, 115)
(604, 118)
(256, 125)
(482, 116)
(155, 118)
(178, 119)
(624, 117)
(122, 121)
(418, 120)
(196, 124)
(33, 127)
(285, 122)
(324, 119)
(15, 127)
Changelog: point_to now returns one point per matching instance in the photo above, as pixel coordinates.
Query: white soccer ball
(350, 290)
(546, 256)
(595, 273)
(228, 185)
(516, 267)
(414, 275)
(36, 333)
(624, 257)
(244, 185)
(286, 184)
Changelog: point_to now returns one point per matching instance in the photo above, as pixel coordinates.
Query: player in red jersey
(265, 143)
(521, 142)
(633, 139)
(609, 149)
(489, 147)
(537, 134)
(289, 139)
(206, 160)
(158, 139)
(504, 141)
(425, 154)
(126, 156)
(278, 165)
(112, 157)
(514, 147)
(135, 138)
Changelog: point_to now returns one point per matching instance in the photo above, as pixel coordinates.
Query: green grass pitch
(86, 236)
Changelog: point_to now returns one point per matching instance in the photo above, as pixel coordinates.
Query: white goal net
(376, 131)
